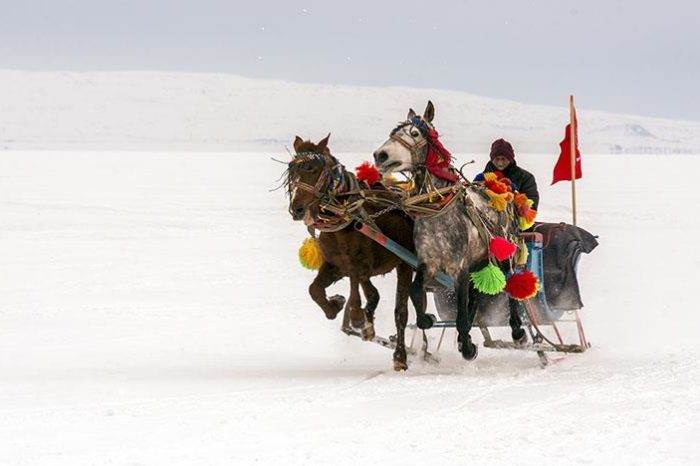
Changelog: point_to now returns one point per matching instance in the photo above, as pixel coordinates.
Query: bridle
(330, 183)
(329, 180)
(414, 148)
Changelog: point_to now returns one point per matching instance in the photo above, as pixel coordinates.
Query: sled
(535, 313)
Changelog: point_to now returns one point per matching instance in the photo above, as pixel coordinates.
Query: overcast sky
(640, 57)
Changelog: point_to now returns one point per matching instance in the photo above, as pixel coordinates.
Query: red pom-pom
(522, 285)
(368, 173)
(501, 248)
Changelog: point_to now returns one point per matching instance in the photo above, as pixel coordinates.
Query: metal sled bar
(556, 330)
(501, 344)
(439, 324)
(402, 253)
(381, 341)
(581, 333)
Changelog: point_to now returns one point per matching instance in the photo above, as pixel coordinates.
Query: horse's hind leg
(516, 324)
(327, 275)
(418, 298)
(403, 284)
(466, 312)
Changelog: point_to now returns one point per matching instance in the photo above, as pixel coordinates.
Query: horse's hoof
(469, 350)
(336, 302)
(519, 337)
(368, 332)
(425, 321)
(400, 365)
(331, 315)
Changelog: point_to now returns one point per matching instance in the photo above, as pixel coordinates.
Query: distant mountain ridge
(187, 111)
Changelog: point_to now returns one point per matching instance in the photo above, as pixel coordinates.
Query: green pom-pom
(489, 280)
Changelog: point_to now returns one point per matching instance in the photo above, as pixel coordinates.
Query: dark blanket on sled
(563, 245)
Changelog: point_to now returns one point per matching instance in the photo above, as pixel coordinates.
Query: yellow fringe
(522, 254)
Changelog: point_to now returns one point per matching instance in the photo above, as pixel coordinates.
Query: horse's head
(407, 143)
(309, 176)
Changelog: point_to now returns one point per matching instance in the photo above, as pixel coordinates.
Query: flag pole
(572, 138)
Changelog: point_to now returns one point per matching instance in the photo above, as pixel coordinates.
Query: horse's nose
(298, 213)
(380, 157)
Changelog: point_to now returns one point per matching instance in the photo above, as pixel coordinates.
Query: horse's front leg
(466, 312)
(403, 284)
(371, 302)
(418, 298)
(327, 275)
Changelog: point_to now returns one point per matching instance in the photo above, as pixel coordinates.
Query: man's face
(501, 162)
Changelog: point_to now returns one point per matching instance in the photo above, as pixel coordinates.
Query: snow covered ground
(152, 311)
(219, 112)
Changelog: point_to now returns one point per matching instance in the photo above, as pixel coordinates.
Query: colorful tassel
(497, 187)
(498, 202)
(501, 248)
(526, 214)
(489, 280)
(522, 285)
(368, 173)
(523, 253)
(526, 221)
(310, 254)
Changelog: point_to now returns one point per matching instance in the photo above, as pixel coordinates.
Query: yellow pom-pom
(310, 254)
(498, 202)
(490, 176)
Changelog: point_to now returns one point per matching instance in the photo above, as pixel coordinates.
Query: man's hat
(502, 147)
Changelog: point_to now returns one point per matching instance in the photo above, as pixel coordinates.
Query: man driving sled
(503, 160)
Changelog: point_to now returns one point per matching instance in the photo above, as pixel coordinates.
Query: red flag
(562, 170)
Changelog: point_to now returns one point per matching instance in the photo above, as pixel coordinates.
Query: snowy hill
(178, 111)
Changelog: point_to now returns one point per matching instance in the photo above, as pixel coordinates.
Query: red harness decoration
(438, 159)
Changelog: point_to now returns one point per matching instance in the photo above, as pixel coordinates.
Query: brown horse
(313, 175)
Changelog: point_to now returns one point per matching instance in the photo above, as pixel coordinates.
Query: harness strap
(412, 148)
(477, 220)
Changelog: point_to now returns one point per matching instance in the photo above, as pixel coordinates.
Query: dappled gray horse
(449, 242)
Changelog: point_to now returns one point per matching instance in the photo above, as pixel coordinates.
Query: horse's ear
(410, 115)
(323, 143)
(429, 112)
(297, 143)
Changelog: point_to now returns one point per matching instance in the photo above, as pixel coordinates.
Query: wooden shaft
(572, 137)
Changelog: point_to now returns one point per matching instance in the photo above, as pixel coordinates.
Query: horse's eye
(415, 133)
